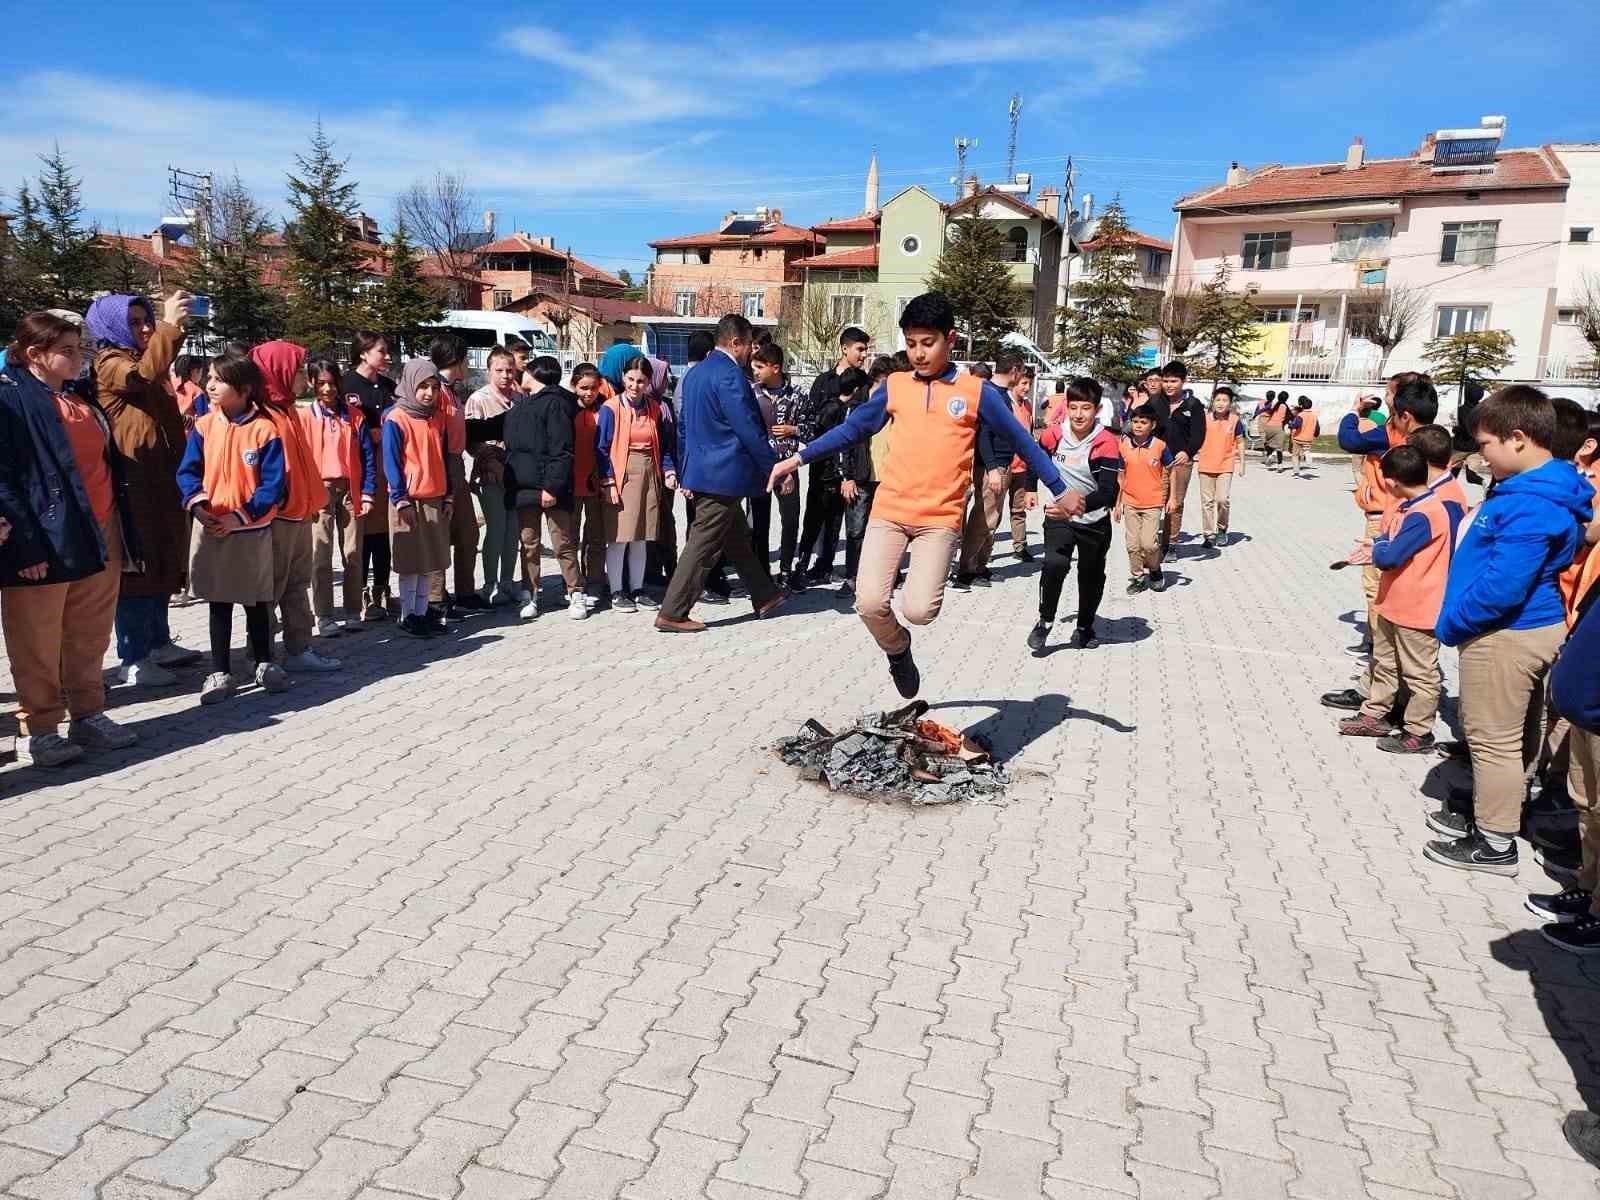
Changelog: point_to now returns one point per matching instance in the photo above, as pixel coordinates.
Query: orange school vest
(928, 468)
(1574, 583)
(1410, 595)
(334, 441)
(1141, 473)
(232, 457)
(304, 494)
(1308, 426)
(422, 453)
(622, 435)
(1023, 412)
(1372, 496)
(1280, 414)
(1220, 448)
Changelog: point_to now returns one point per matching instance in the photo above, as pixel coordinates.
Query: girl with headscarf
(421, 483)
(635, 451)
(283, 377)
(661, 555)
(231, 481)
(135, 355)
(67, 539)
(611, 365)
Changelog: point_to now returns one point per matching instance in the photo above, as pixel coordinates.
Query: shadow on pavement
(1014, 725)
(1562, 985)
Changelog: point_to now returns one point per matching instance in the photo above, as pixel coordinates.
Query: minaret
(872, 186)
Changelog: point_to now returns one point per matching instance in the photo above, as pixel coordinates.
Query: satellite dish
(952, 232)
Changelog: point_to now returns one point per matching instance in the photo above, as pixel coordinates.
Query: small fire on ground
(899, 755)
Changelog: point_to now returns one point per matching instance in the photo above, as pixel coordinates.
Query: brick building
(744, 265)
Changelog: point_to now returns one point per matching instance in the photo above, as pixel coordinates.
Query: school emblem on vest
(249, 458)
(957, 408)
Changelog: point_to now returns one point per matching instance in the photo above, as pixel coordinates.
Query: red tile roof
(862, 224)
(141, 247)
(862, 256)
(1139, 239)
(770, 235)
(1381, 178)
(516, 243)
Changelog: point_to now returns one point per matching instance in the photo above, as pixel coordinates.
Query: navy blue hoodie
(1524, 534)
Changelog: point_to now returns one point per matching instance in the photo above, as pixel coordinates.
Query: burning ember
(896, 755)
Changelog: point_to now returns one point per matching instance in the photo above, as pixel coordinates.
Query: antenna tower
(963, 144)
(1014, 111)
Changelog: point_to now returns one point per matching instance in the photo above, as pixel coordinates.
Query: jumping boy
(923, 481)
(1413, 552)
(1219, 459)
(1146, 464)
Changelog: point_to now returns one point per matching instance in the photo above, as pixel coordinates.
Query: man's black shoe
(962, 582)
(1025, 555)
(1084, 639)
(903, 670)
(1473, 853)
(471, 602)
(1037, 636)
(1448, 823)
(982, 579)
(435, 622)
(414, 626)
(1563, 908)
(1348, 699)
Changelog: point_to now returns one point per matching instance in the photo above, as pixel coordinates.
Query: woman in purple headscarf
(130, 370)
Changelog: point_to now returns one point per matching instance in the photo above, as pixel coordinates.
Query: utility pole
(1014, 111)
(1066, 219)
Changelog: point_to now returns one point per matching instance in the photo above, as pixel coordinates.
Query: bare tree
(1588, 308)
(1178, 318)
(443, 215)
(1385, 317)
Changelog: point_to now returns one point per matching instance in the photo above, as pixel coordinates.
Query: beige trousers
(1177, 492)
(337, 524)
(562, 525)
(1141, 531)
(1017, 493)
(931, 548)
(56, 636)
(1214, 503)
(1502, 706)
(1583, 785)
(1411, 657)
(989, 489)
(291, 583)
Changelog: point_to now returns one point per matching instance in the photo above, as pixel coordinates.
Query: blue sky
(609, 130)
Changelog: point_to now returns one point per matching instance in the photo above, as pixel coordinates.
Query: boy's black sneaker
(903, 670)
(1582, 1131)
(1455, 750)
(1401, 742)
(1447, 822)
(710, 597)
(847, 591)
(1158, 581)
(434, 620)
(1348, 699)
(1038, 635)
(1563, 908)
(1561, 862)
(1210, 541)
(1472, 853)
(1580, 937)
(471, 602)
(414, 626)
(1025, 555)
(1137, 585)
(1084, 639)
(982, 579)
(962, 582)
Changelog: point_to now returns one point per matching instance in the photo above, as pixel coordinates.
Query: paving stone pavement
(530, 913)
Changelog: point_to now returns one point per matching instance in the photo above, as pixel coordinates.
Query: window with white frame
(1354, 241)
(683, 304)
(1283, 314)
(753, 304)
(1265, 251)
(502, 297)
(845, 309)
(1469, 242)
(1461, 318)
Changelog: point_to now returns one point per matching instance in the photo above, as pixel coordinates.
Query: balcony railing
(1363, 368)
(1569, 368)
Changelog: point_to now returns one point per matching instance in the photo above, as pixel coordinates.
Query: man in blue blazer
(725, 457)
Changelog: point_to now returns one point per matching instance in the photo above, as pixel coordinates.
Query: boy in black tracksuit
(859, 480)
(1183, 428)
(539, 454)
(782, 406)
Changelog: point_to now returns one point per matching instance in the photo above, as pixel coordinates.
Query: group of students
(1512, 584)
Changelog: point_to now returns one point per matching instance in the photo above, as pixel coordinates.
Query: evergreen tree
(323, 267)
(16, 281)
(1104, 332)
(973, 274)
(1462, 357)
(230, 267)
(60, 256)
(1225, 334)
(405, 301)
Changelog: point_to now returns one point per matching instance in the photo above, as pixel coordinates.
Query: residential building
(1472, 233)
(586, 325)
(513, 267)
(1578, 268)
(1152, 264)
(744, 265)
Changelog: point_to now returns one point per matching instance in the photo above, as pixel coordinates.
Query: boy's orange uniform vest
(1141, 473)
(1584, 572)
(1220, 448)
(422, 454)
(333, 438)
(1307, 431)
(1022, 410)
(1410, 595)
(233, 452)
(927, 472)
(1372, 497)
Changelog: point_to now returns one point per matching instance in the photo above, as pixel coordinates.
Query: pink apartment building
(1474, 231)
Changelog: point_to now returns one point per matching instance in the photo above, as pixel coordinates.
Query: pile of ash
(896, 755)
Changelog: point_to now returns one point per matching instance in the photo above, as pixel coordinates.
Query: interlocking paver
(644, 962)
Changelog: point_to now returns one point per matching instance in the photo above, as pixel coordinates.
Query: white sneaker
(271, 677)
(217, 688)
(100, 732)
(529, 611)
(580, 607)
(309, 661)
(46, 750)
(146, 673)
(174, 655)
(328, 627)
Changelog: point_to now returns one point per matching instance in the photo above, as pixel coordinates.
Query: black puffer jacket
(539, 447)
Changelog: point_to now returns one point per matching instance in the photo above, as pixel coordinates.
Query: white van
(484, 329)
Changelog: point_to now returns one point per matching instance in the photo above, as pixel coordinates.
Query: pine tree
(60, 255)
(324, 267)
(1225, 331)
(17, 284)
(1461, 358)
(405, 301)
(230, 267)
(972, 273)
(1104, 332)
